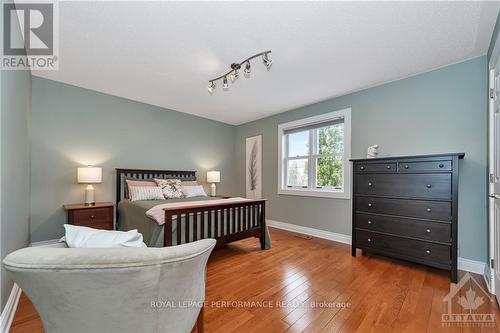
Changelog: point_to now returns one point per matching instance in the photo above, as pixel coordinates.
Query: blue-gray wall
(74, 127)
(14, 166)
(439, 111)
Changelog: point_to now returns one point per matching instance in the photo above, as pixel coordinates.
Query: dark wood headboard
(121, 174)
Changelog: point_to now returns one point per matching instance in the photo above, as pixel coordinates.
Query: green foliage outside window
(329, 169)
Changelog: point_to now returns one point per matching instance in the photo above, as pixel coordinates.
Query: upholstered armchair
(114, 290)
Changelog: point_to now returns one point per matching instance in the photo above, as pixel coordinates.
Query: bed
(189, 219)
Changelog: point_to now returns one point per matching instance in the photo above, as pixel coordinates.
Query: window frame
(312, 158)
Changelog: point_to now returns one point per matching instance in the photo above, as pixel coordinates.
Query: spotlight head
(211, 87)
(266, 61)
(234, 75)
(225, 85)
(246, 71)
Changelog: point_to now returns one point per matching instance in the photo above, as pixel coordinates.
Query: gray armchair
(114, 290)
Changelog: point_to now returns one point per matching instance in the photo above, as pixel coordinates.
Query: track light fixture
(235, 68)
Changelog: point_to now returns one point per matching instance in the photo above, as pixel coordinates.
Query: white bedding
(158, 214)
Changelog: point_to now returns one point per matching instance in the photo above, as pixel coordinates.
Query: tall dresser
(407, 207)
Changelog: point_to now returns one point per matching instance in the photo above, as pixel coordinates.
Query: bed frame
(227, 222)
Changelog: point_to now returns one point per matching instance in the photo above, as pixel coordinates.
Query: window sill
(319, 194)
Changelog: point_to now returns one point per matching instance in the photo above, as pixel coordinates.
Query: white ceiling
(164, 53)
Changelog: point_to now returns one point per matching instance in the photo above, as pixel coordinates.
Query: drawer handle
(429, 210)
(369, 240)
(362, 167)
(428, 231)
(388, 167)
(428, 251)
(407, 166)
(369, 205)
(441, 165)
(428, 185)
(92, 217)
(370, 184)
(369, 222)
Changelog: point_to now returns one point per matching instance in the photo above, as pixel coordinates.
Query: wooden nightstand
(98, 216)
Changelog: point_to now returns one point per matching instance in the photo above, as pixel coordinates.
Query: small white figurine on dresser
(372, 151)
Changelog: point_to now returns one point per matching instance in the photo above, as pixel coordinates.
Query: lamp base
(213, 190)
(89, 195)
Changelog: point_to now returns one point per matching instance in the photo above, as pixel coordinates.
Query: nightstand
(98, 216)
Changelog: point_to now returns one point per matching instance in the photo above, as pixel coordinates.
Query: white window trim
(346, 193)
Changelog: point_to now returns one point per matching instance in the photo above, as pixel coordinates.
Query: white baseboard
(468, 265)
(472, 266)
(10, 309)
(341, 238)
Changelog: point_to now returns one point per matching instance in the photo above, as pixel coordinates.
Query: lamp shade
(89, 175)
(213, 176)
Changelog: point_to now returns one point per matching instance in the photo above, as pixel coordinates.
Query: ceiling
(164, 53)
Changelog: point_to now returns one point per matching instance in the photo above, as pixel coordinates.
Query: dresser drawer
(94, 218)
(432, 186)
(425, 230)
(433, 210)
(424, 166)
(376, 167)
(408, 248)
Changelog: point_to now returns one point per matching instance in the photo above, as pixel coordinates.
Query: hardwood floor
(316, 286)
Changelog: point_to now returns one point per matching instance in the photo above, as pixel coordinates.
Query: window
(314, 156)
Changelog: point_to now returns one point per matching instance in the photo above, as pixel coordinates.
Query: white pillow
(137, 193)
(193, 191)
(84, 237)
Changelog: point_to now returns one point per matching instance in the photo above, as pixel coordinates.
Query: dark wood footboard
(227, 222)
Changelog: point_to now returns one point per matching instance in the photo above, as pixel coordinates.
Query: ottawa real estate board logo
(468, 305)
(30, 36)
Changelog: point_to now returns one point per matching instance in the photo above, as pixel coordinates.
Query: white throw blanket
(158, 214)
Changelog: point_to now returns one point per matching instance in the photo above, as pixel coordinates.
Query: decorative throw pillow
(193, 191)
(84, 237)
(171, 188)
(130, 181)
(137, 193)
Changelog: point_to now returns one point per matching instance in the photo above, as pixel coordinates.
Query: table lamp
(213, 177)
(89, 175)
